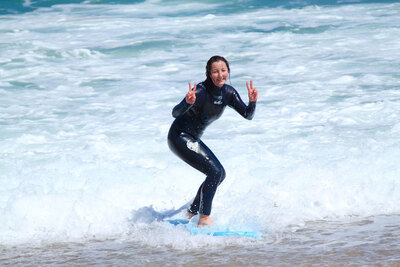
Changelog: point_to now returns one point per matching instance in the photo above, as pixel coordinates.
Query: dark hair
(211, 61)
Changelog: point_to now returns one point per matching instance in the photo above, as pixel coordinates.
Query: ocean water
(86, 93)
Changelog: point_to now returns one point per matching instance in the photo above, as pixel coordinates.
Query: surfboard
(213, 230)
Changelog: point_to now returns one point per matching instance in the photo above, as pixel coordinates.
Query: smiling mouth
(219, 82)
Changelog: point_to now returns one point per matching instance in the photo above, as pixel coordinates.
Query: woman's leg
(199, 156)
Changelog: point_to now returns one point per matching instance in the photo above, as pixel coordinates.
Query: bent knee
(216, 176)
(221, 175)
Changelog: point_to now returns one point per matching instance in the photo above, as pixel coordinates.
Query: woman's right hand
(191, 95)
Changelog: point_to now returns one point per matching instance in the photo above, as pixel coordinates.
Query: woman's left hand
(253, 93)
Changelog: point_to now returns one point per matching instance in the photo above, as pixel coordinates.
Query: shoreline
(361, 241)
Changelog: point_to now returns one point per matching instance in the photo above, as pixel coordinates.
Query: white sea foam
(85, 108)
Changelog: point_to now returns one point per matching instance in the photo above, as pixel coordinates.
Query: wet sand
(370, 241)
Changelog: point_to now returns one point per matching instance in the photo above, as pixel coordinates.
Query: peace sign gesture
(191, 95)
(253, 93)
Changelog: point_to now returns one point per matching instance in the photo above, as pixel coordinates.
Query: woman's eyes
(215, 71)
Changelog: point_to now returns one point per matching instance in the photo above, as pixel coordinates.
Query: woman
(203, 104)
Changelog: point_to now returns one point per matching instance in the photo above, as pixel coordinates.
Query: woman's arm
(186, 103)
(181, 108)
(238, 104)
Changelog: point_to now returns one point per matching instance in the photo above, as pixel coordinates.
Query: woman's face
(219, 73)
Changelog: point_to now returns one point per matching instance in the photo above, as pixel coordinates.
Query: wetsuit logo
(194, 146)
(218, 100)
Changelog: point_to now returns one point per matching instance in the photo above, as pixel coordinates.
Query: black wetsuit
(189, 125)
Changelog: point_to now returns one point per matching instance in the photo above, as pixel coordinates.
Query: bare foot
(189, 215)
(204, 220)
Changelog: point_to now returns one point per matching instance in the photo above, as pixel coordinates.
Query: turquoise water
(21, 6)
(86, 93)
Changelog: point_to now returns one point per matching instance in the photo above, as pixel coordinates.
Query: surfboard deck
(213, 230)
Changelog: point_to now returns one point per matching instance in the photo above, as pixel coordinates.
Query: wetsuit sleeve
(181, 108)
(238, 104)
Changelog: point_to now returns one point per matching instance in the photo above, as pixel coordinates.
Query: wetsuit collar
(212, 88)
